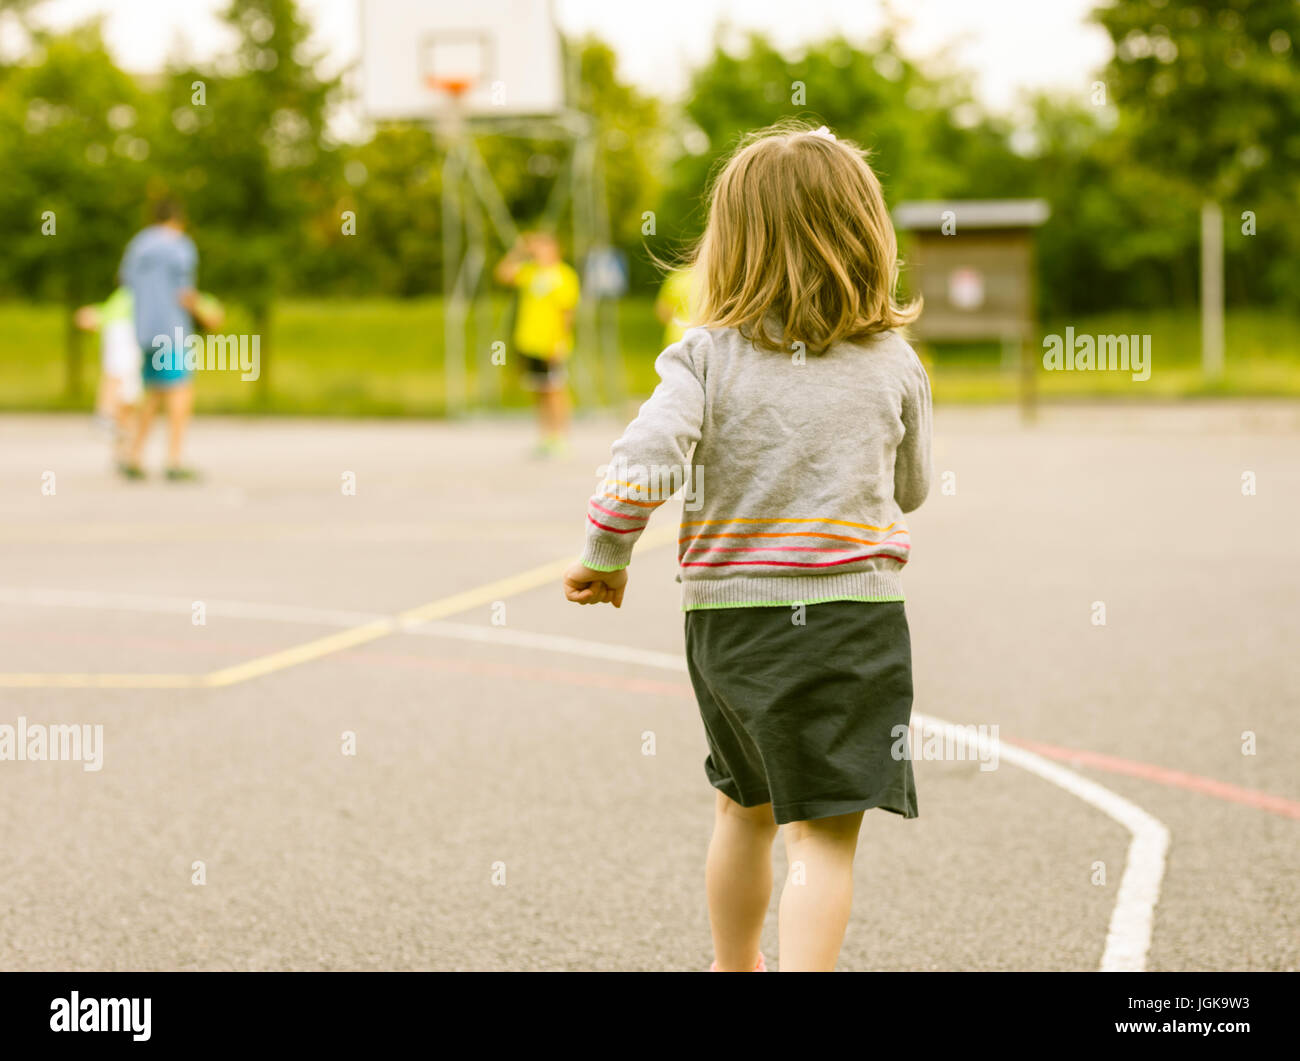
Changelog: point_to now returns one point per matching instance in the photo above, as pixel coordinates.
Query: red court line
(562, 676)
(201, 644)
(1162, 775)
(1206, 786)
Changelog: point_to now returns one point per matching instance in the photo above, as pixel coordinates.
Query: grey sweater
(796, 470)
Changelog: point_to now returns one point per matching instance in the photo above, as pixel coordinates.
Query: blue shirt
(158, 264)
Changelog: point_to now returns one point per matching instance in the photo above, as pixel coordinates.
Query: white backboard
(509, 50)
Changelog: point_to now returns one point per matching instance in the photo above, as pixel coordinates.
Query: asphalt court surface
(517, 749)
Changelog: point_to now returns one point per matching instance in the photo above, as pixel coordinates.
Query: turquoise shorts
(164, 378)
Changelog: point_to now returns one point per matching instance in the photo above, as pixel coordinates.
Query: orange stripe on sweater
(788, 519)
(629, 501)
(637, 486)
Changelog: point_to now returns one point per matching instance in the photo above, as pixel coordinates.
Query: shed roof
(973, 213)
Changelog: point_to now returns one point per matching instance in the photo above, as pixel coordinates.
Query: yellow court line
(303, 653)
(323, 646)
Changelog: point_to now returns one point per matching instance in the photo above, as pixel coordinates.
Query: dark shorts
(542, 374)
(805, 717)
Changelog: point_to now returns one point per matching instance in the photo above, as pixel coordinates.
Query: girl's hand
(582, 585)
(210, 318)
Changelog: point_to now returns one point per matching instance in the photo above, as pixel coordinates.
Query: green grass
(382, 357)
(1262, 360)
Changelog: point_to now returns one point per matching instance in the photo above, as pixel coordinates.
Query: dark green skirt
(806, 717)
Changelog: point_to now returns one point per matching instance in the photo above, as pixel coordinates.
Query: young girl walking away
(799, 421)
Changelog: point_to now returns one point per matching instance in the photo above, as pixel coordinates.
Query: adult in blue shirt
(159, 267)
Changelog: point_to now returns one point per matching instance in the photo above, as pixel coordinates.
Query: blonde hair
(799, 245)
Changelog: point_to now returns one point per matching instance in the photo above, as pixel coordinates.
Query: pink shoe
(761, 967)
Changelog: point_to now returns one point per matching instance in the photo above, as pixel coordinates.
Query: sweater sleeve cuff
(606, 556)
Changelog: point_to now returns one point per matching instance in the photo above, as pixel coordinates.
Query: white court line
(551, 643)
(135, 602)
(1128, 937)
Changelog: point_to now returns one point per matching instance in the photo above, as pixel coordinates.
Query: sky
(1009, 45)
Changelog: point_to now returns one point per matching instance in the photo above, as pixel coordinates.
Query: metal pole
(486, 207)
(1026, 334)
(453, 313)
(584, 381)
(1211, 290)
(1028, 381)
(485, 188)
(480, 359)
(607, 324)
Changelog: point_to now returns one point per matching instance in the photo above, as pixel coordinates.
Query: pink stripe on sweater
(776, 549)
(616, 530)
(705, 550)
(796, 563)
(619, 515)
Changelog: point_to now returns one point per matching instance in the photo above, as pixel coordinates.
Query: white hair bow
(824, 133)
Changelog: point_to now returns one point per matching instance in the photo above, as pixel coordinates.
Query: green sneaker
(553, 447)
(182, 475)
(127, 470)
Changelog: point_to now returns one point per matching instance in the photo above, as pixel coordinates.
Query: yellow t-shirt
(546, 293)
(678, 294)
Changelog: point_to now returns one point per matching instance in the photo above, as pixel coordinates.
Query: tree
(926, 136)
(250, 156)
(75, 174)
(1209, 97)
(632, 145)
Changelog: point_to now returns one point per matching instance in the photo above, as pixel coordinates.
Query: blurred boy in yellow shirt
(543, 338)
(675, 304)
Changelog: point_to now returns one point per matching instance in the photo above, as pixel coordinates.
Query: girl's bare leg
(818, 891)
(149, 406)
(738, 879)
(554, 409)
(106, 397)
(125, 430)
(180, 404)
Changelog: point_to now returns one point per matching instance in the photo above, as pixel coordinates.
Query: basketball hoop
(445, 64)
(454, 63)
(422, 59)
(455, 87)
